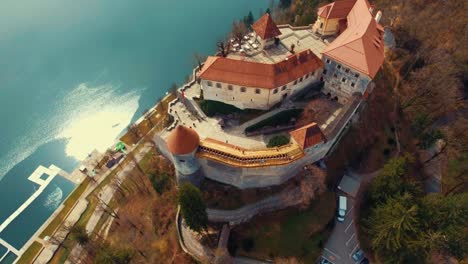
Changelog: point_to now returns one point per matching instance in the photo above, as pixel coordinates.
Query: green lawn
(68, 205)
(277, 141)
(213, 108)
(299, 234)
(29, 255)
(280, 119)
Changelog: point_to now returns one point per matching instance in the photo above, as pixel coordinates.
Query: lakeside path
(106, 195)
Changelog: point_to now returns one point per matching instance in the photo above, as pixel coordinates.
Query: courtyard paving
(303, 39)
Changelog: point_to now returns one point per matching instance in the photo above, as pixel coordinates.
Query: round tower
(183, 143)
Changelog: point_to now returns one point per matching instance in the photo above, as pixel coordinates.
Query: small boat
(114, 125)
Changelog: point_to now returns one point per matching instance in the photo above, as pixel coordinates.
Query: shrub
(277, 141)
(212, 108)
(280, 119)
(248, 244)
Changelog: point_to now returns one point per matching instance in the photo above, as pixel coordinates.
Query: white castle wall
(244, 178)
(250, 98)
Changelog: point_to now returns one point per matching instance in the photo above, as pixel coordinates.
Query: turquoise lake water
(74, 74)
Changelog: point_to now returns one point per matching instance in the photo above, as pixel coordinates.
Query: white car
(342, 208)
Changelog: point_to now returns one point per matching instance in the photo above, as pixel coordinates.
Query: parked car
(325, 261)
(342, 208)
(364, 261)
(358, 255)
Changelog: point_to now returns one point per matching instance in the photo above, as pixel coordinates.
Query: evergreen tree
(249, 20)
(394, 226)
(193, 207)
(78, 233)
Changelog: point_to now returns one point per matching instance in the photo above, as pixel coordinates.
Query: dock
(38, 178)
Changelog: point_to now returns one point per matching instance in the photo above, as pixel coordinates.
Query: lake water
(74, 74)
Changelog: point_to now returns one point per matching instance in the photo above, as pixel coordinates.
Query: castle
(271, 66)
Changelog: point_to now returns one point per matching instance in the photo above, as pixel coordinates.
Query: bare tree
(117, 185)
(239, 30)
(221, 48)
(134, 131)
(199, 58)
(173, 89)
(147, 115)
(106, 208)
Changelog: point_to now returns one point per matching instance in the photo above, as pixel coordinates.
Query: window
(353, 84)
(275, 91)
(230, 87)
(300, 80)
(334, 75)
(343, 79)
(295, 82)
(346, 70)
(243, 89)
(321, 25)
(182, 160)
(328, 61)
(356, 75)
(209, 83)
(283, 88)
(218, 85)
(338, 66)
(325, 72)
(307, 76)
(257, 91)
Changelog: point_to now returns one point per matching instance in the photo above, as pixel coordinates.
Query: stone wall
(342, 85)
(259, 177)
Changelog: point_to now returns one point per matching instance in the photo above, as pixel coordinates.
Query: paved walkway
(211, 128)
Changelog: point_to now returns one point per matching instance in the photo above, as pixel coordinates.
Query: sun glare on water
(98, 119)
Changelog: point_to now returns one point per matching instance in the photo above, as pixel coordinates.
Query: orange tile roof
(337, 9)
(182, 140)
(261, 75)
(265, 27)
(308, 135)
(360, 46)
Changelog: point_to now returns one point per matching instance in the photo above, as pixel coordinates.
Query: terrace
(249, 49)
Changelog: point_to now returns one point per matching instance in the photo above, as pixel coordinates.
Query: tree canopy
(192, 207)
(405, 225)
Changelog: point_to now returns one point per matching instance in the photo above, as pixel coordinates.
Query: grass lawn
(30, 253)
(280, 119)
(290, 233)
(212, 108)
(68, 205)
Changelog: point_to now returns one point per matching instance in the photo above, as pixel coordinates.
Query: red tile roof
(260, 75)
(337, 9)
(361, 45)
(265, 27)
(182, 140)
(308, 135)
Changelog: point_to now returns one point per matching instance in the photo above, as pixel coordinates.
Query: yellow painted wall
(330, 26)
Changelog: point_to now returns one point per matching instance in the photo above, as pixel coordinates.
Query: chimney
(378, 16)
(371, 9)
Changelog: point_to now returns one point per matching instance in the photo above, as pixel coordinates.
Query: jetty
(42, 176)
